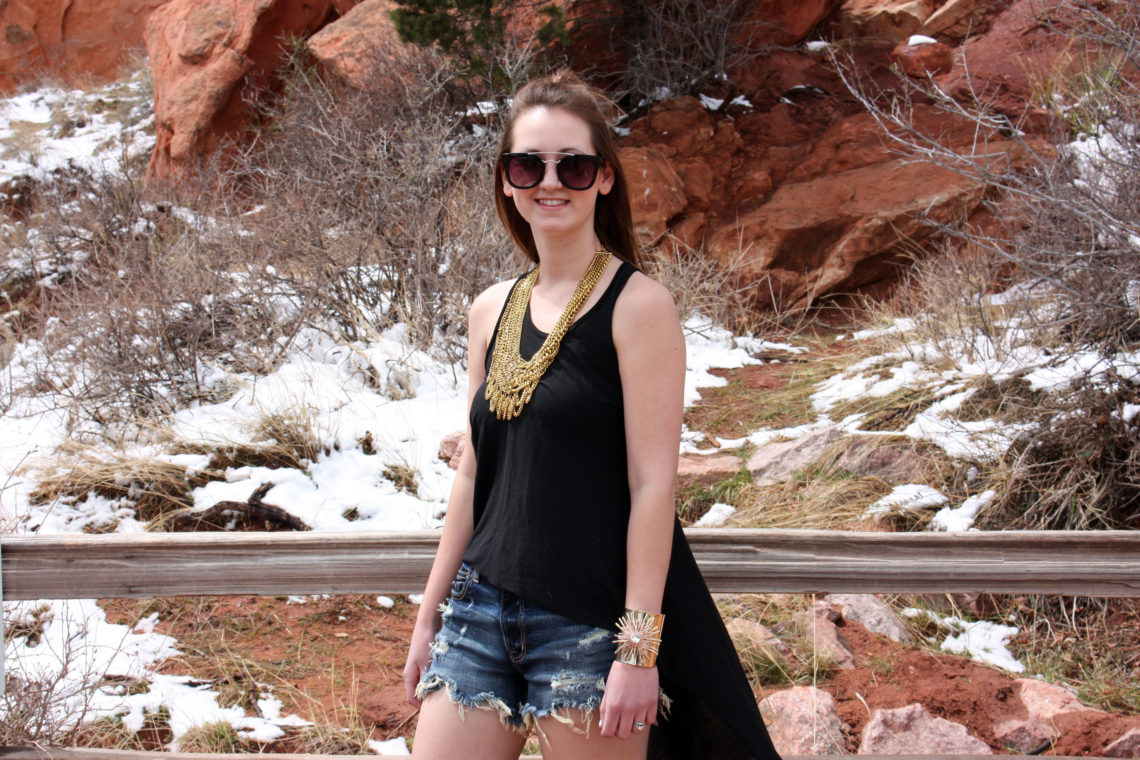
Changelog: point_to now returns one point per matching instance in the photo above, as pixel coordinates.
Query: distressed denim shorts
(498, 652)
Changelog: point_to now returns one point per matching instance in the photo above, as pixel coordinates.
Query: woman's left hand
(631, 696)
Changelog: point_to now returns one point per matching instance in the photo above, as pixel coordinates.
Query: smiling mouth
(551, 202)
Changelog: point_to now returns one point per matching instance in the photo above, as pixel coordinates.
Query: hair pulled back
(613, 222)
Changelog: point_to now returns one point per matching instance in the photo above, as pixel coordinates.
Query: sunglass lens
(525, 171)
(577, 172)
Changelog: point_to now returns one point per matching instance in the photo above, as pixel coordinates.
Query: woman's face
(552, 209)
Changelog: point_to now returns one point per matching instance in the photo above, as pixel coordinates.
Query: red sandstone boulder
(349, 47)
(78, 41)
(926, 57)
(957, 18)
(451, 448)
(656, 192)
(818, 629)
(804, 720)
(1003, 61)
(891, 20)
(786, 22)
(706, 469)
(841, 231)
(1127, 745)
(1035, 730)
(206, 55)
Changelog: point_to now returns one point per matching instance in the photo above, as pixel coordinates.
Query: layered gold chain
(512, 379)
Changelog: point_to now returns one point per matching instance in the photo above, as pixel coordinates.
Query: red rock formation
(797, 187)
(348, 47)
(77, 41)
(1004, 63)
(659, 195)
(207, 55)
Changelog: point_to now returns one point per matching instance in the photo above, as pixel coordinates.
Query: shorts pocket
(463, 580)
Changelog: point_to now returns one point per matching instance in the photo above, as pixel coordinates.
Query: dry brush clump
(1046, 275)
(355, 209)
(143, 304)
(379, 214)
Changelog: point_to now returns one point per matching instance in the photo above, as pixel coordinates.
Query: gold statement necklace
(512, 379)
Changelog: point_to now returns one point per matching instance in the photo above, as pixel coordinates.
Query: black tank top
(551, 502)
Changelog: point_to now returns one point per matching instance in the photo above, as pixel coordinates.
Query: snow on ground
(403, 399)
(980, 640)
(907, 498)
(50, 129)
(961, 518)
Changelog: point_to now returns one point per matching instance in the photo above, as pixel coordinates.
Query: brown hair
(613, 222)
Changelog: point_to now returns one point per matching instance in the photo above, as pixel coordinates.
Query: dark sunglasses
(577, 171)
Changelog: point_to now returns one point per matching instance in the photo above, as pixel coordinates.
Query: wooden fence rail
(1105, 563)
(1102, 563)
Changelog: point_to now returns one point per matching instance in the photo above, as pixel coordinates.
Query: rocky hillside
(782, 175)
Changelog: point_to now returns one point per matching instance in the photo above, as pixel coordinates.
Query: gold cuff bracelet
(639, 637)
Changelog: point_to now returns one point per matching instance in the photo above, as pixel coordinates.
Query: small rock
(803, 720)
(451, 448)
(872, 613)
(895, 462)
(819, 631)
(1042, 701)
(923, 60)
(774, 462)
(1126, 746)
(749, 633)
(706, 469)
(912, 730)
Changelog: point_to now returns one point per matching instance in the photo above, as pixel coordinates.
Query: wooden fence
(1100, 563)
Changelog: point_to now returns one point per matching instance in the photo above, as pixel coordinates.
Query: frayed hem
(560, 712)
(485, 701)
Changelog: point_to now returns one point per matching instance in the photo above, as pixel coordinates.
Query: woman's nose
(550, 175)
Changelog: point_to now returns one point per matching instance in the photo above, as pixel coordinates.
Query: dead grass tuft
(807, 502)
(219, 737)
(795, 661)
(154, 488)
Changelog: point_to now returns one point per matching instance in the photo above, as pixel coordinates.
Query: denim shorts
(499, 652)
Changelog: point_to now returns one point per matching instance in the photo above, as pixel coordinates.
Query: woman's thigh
(561, 741)
(446, 731)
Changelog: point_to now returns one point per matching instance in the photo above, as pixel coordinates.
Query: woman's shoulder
(486, 307)
(644, 297)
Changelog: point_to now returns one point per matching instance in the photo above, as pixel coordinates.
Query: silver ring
(639, 726)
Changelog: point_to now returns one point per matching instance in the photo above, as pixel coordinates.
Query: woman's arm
(651, 358)
(459, 522)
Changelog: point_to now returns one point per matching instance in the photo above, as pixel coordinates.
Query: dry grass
(807, 503)
(770, 396)
(219, 737)
(764, 664)
(156, 489)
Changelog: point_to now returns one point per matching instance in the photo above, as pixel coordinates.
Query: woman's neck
(565, 260)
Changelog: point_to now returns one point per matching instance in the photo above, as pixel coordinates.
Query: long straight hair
(613, 222)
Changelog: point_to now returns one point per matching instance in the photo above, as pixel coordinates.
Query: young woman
(561, 549)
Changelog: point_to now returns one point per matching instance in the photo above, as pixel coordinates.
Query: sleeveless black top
(551, 512)
(551, 486)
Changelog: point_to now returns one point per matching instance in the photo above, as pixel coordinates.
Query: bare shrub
(685, 46)
(378, 214)
(702, 286)
(1061, 247)
(143, 300)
